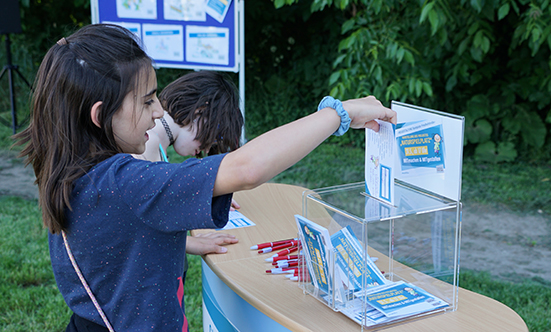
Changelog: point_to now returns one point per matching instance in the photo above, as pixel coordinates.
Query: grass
(519, 186)
(29, 297)
(530, 299)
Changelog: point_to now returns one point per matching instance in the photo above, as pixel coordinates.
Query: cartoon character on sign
(410, 290)
(437, 140)
(308, 232)
(375, 161)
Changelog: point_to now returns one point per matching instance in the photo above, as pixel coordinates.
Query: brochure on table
(424, 149)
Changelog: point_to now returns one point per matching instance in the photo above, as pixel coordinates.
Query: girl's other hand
(234, 205)
(209, 243)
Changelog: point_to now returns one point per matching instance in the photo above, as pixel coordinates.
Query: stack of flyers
(356, 270)
(362, 313)
(316, 245)
(390, 302)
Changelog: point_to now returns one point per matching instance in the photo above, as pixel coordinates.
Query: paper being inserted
(380, 152)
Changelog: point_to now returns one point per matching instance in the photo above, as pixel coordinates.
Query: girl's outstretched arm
(273, 152)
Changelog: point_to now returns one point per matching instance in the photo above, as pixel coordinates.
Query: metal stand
(10, 68)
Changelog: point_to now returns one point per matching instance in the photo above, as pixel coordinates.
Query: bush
(486, 60)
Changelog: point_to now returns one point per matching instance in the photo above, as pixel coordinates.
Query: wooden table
(272, 208)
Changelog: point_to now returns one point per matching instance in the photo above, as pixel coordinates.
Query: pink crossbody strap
(84, 283)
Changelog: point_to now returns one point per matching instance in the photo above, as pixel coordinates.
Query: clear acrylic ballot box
(414, 243)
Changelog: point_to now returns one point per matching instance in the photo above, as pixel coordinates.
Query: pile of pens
(287, 257)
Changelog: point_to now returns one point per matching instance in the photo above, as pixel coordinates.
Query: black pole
(10, 68)
(12, 89)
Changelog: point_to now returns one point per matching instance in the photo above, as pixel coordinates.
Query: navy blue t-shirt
(127, 231)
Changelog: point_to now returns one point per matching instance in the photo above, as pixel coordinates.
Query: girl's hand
(209, 243)
(234, 205)
(364, 111)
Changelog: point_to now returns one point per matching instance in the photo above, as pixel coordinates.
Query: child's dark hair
(97, 63)
(212, 99)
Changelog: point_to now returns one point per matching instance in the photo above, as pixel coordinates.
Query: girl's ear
(94, 113)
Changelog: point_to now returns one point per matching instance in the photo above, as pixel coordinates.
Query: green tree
(488, 60)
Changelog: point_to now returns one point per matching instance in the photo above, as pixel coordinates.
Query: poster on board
(187, 34)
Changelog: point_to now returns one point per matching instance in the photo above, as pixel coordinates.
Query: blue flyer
(350, 259)
(316, 243)
(421, 147)
(401, 299)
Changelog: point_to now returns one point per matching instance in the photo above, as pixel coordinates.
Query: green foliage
(288, 62)
(493, 56)
(45, 21)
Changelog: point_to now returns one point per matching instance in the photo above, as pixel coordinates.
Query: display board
(187, 34)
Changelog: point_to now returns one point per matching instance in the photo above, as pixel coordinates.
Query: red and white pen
(289, 263)
(300, 278)
(279, 258)
(279, 247)
(287, 251)
(271, 244)
(281, 270)
(283, 261)
(298, 271)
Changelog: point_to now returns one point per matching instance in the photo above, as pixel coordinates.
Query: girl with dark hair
(118, 224)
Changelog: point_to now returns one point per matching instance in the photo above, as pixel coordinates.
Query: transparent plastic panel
(415, 242)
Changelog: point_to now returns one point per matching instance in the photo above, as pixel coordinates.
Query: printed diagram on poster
(163, 42)
(218, 9)
(145, 9)
(207, 45)
(185, 10)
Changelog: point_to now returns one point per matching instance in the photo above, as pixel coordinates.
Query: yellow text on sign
(392, 299)
(417, 150)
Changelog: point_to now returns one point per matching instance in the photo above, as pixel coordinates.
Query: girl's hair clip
(62, 41)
